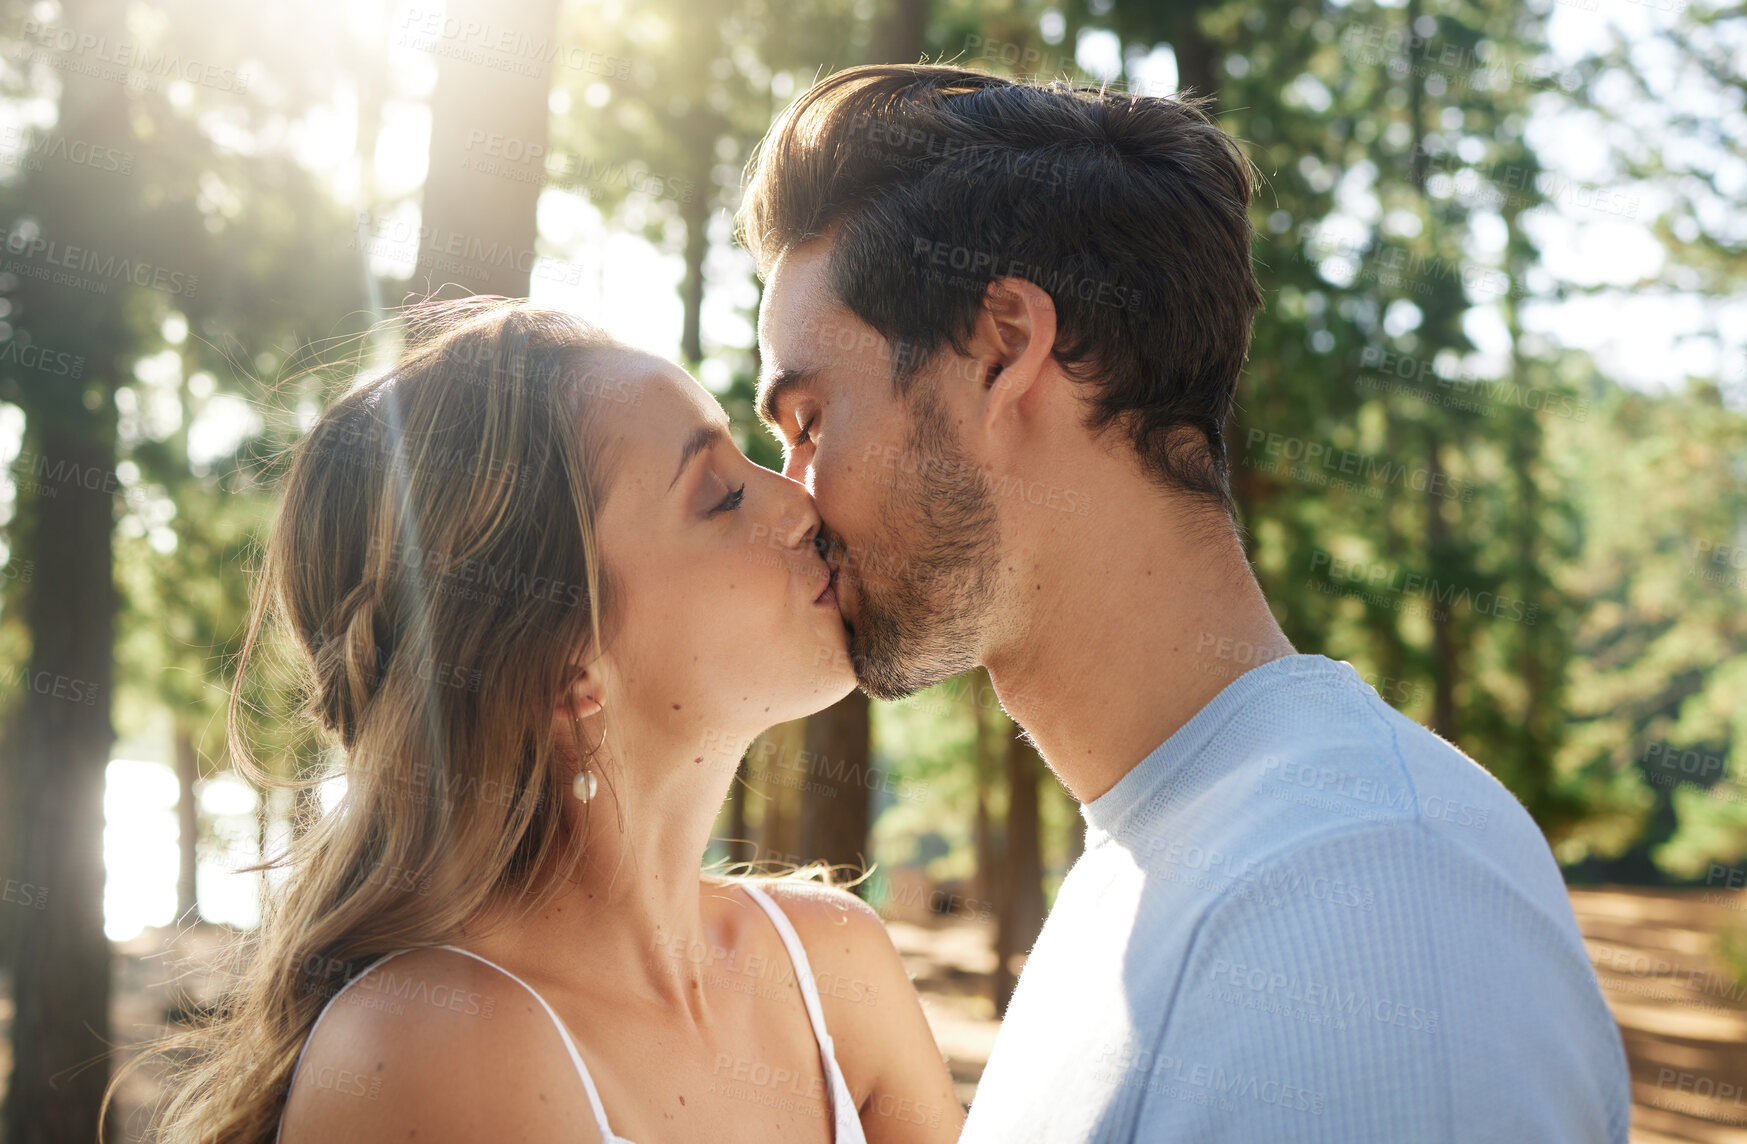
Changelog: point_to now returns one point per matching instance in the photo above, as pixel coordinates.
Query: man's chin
(887, 673)
(883, 687)
(872, 684)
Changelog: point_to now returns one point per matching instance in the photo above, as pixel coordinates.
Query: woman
(545, 603)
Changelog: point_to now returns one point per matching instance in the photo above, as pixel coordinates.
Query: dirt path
(1684, 1020)
(951, 963)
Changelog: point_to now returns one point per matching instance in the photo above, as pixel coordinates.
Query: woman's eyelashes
(804, 436)
(731, 501)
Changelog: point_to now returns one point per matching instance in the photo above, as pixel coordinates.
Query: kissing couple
(1000, 337)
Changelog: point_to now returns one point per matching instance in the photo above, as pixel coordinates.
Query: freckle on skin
(676, 707)
(699, 759)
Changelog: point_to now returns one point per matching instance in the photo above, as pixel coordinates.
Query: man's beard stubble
(933, 566)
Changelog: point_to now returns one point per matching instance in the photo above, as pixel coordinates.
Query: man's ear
(1013, 342)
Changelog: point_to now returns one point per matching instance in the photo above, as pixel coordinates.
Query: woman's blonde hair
(434, 560)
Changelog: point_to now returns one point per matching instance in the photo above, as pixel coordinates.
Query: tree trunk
(695, 213)
(11, 835)
(1197, 73)
(739, 840)
(1247, 487)
(988, 881)
(834, 774)
(188, 825)
(61, 984)
(488, 152)
(1076, 837)
(901, 35)
(1444, 650)
(1539, 726)
(60, 1032)
(1021, 916)
(773, 786)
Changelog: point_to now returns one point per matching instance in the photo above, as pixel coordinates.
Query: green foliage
(249, 241)
(1512, 547)
(1661, 637)
(924, 743)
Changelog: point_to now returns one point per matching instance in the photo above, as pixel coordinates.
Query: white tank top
(846, 1125)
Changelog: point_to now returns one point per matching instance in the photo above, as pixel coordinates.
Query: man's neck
(1128, 624)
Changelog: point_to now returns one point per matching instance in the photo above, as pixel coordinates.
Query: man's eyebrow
(700, 440)
(770, 394)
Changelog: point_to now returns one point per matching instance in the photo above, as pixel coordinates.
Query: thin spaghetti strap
(798, 955)
(594, 1097)
(845, 1120)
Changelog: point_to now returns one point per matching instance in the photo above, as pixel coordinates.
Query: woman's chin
(847, 688)
(836, 677)
(835, 681)
(809, 699)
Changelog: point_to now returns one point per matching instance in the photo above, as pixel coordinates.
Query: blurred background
(1492, 443)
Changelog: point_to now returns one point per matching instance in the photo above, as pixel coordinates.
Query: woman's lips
(828, 594)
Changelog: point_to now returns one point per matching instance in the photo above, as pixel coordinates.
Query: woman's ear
(583, 696)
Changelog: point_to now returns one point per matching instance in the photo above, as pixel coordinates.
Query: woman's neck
(631, 908)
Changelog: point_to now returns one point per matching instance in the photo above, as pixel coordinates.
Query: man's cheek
(851, 480)
(842, 509)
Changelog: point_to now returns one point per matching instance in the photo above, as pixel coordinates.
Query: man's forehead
(797, 292)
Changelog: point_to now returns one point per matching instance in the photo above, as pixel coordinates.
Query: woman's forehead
(661, 407)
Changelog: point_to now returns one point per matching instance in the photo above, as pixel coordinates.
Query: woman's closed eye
(731, 501)
(804, 436)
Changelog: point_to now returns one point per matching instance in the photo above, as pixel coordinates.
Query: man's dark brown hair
(1130, 211)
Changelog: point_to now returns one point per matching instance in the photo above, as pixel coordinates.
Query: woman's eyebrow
(701, 440)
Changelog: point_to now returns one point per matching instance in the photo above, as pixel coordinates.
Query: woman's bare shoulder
(847, 945)
(435, 1045)
(818, 903)
(894, 1069)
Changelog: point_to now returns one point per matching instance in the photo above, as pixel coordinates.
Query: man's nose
(799, 473)
(800, 523)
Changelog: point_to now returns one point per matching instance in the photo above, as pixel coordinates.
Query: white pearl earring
(585, 784)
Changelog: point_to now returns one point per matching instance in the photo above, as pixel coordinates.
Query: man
(1001, 329)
